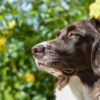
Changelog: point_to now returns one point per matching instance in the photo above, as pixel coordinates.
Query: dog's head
(71, 51)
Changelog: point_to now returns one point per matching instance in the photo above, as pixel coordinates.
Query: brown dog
(74, 52)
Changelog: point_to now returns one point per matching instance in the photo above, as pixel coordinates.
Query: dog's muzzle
(41, 59)
(45, 62)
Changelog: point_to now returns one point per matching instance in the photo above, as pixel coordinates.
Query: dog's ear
(95, 54)
(95, 58)
(96, 24)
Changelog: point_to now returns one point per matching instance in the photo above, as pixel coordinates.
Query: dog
(73, 57)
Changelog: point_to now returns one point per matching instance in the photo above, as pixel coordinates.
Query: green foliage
(23, 23)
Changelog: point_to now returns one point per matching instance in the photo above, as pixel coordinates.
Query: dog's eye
(72, 35)
(58, 34)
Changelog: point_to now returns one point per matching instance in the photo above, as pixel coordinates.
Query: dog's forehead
(67, 29)
(61, 32)
(82, 24)
(75, 25)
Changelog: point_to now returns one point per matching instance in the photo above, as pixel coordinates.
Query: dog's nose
(38, 50)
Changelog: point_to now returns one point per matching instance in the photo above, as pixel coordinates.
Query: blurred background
(24, 23)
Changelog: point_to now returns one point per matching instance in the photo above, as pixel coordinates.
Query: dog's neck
(88, 77)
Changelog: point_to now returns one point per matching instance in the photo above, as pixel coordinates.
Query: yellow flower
(95, 9)
(11, 24)
(30, 77)
(2, 41)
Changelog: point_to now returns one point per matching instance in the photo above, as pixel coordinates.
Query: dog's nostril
(38, 49)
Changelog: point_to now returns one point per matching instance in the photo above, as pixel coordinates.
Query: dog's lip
(41, 64)
(68, 72)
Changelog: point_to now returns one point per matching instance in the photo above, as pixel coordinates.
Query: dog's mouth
(70, 72)
(55, 69)
(46, 68)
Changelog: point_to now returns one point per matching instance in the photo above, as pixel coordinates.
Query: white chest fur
(75, 90)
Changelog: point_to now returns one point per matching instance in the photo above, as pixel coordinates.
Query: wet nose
(38, 49)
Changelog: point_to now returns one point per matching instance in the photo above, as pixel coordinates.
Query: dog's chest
(75, 90)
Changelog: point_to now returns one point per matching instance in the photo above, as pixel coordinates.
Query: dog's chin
(54, 70)
(46, 68)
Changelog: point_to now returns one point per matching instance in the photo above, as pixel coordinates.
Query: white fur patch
(65, 94)
(75, 90)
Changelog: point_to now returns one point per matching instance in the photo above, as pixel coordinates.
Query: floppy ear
(95, 58)
(96, 47)
(95, 23)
